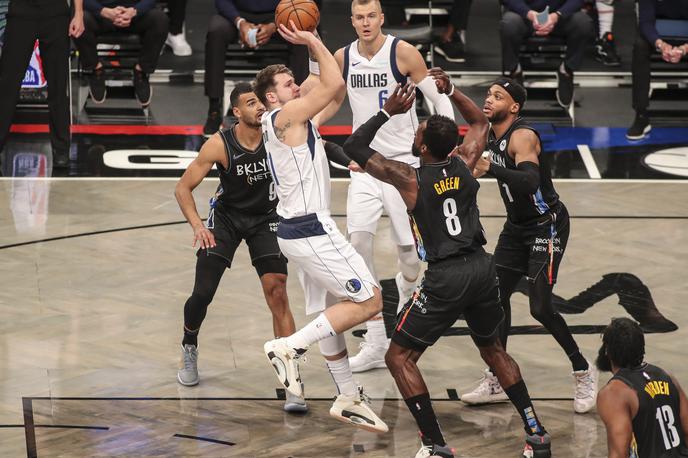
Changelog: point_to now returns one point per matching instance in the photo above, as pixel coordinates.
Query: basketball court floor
(95, 272)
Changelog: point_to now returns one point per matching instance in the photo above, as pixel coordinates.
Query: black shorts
(461, 285)
(535, 249)
(259, 231)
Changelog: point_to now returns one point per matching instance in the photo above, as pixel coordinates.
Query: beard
(415, 150)
(252, 124)
(602, 362)
(497, 117)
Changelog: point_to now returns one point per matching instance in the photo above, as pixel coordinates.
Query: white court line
(589, 161)
(345, 180)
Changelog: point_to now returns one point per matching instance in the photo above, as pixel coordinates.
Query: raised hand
(401, 100)
(296, 36)
(442, 81)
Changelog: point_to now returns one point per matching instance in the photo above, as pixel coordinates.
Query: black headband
(515, 90)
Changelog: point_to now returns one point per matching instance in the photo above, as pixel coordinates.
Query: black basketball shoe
(605, 51)
(96, 85)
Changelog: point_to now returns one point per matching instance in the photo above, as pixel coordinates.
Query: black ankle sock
(518, 394)
(215, 105)
(578, 362)
(421, 409)
(190, 337)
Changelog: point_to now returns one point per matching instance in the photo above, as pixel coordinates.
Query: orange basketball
(304, 13)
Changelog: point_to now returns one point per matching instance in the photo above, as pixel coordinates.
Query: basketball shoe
(285, 362)
(295, 404)
(355, 410)
(586, 389)
(537, 446)
(488, 391)
(188, 374)
(430, 450)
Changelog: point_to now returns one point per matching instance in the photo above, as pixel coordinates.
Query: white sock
(316, 330)
(343, 378)
(376, 330)
(605, 15)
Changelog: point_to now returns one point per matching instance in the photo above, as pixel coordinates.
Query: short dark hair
(440, 136)
(624, 343)
(515, 90)
(265, 80)
(239, 90)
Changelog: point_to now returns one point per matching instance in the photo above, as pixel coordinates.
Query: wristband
(238, 22)
(385, 113)
(452, 91)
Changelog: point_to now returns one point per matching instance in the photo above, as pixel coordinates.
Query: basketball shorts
(259, 231)
(535, 249)
(461, 285)
(326, 260)
(367, 198)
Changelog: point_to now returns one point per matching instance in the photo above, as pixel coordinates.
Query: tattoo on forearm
(280, 132)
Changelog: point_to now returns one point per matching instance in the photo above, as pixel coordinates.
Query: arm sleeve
(93, 6)
(227, 9)
(517, 6)
(441, 102)
(525, 180)
(570, 7)
(336, 154)
(646, 20)
(144, 6)
(357, 146)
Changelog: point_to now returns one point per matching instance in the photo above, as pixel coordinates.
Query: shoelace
(584, 386)
(364, 397)
(189, 360)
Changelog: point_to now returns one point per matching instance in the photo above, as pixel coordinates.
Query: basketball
(304, 13)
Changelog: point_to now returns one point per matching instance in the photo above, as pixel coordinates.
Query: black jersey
(523, 209)
(445, 221)
(657, 431)
(246, 185)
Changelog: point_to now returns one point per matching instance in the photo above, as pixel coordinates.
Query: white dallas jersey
(368, 84)
(301, 173)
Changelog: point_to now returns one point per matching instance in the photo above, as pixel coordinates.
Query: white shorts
(326, 261)
(367, 198)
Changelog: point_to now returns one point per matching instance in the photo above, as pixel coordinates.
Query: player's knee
(201, 298)
(541, 315)
(489, 350)
(275, 289)
(374, 304)
(394, 361)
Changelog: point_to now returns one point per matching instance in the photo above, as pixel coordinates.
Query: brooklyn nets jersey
(246, 184)
(301, 173)
(657, 431)
(522, 208)
(445, 221)
(368, 84)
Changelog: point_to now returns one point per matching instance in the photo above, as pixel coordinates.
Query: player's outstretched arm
(411, 63)
(400, 175)
(212, 151)
(614, 409)
(300, 110)
(478, 126)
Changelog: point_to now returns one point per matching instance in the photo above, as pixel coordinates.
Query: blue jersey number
(382, 97)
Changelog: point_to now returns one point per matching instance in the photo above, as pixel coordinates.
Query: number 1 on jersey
(382, 97)
(452, 219)
(508, 192)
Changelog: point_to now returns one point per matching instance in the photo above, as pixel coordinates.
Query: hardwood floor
(95, 275)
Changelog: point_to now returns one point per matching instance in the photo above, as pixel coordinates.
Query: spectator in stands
(565, 19)
(176, 39)
(252, 23)
(47, 20)
(126, 16)
(453, 43)
(605, 46)
(670, 38)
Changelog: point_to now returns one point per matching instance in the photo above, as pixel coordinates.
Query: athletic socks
(605, 16)
(343, 378)
(376, 331)
(578, 362)
(190, 337)
(314, 331)
(518, 394)
(421, 409)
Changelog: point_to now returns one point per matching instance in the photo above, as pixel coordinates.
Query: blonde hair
(365, 2)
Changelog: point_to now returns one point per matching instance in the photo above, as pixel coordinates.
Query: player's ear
(382, 18)
(271, 96)
(236, 112)
(515, 107)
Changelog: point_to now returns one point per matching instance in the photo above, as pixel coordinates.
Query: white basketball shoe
(488, 391)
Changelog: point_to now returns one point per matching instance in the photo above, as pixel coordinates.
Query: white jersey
(368, 84)
(301, 173)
